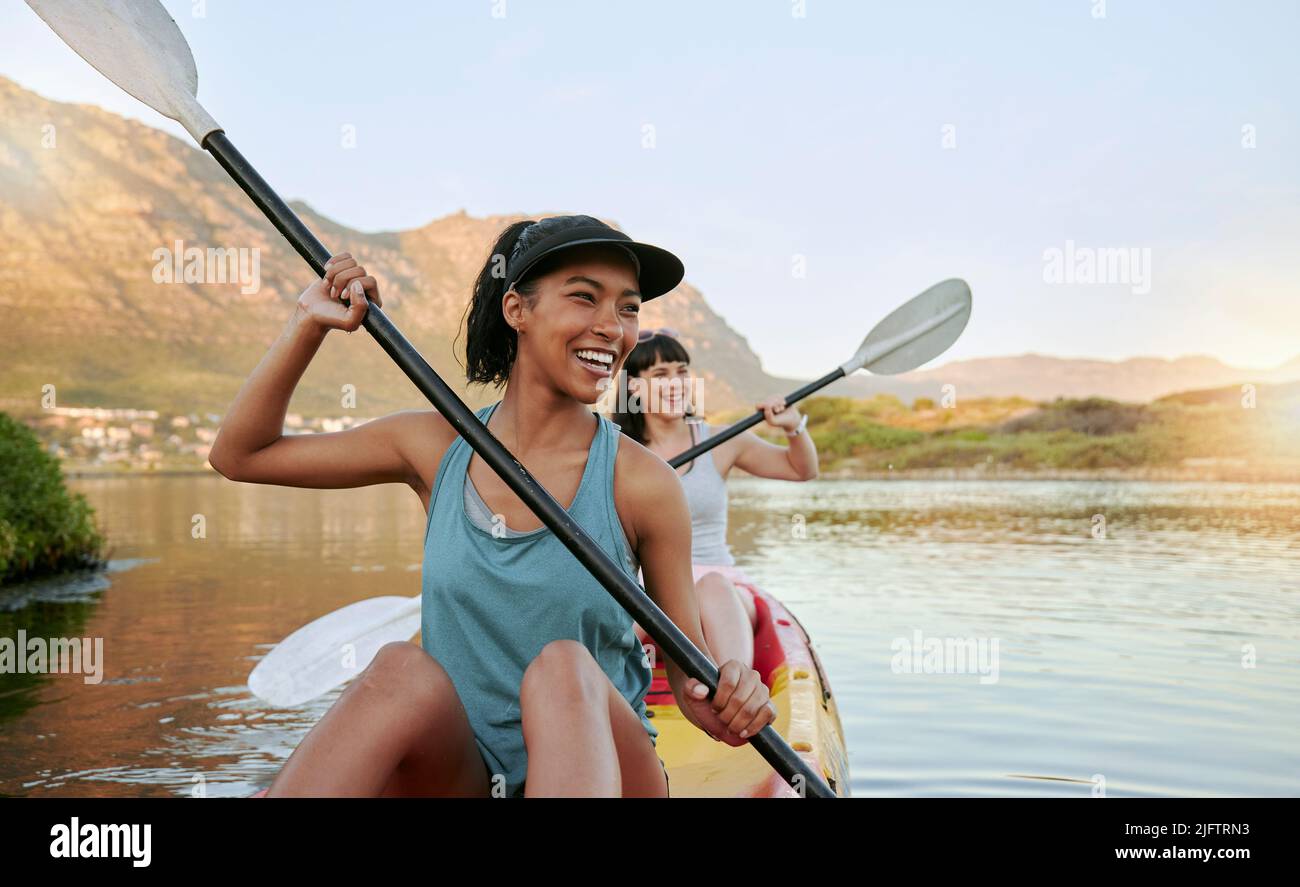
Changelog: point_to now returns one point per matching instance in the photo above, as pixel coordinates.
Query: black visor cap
(660, 270)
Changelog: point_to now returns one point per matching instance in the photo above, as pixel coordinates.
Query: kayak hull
(807, 718)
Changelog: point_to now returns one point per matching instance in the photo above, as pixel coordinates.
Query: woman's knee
(564, 670)
(716, 590)
(402, 669)
(715, 587)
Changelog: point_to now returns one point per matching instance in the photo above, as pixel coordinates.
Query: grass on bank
(884, 434)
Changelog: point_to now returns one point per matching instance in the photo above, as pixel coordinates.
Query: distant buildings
(134, 438)
(102, 413)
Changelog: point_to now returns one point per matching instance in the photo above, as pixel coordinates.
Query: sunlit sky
(777, 136)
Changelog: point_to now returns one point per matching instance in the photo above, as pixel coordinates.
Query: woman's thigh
(640, 769)
(398, 729)
(638, 761)
(442, 759)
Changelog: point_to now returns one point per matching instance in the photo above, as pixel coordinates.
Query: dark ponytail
(490, 342)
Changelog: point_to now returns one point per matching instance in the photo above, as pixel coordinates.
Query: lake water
(1154, 650)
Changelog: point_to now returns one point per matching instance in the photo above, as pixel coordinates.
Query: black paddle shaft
(750, 421)
(631, 597)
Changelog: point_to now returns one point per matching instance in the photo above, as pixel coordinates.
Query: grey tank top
(706, 494)
(482, 516)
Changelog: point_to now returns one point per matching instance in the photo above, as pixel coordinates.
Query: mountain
(87, 198)
(1138, 379)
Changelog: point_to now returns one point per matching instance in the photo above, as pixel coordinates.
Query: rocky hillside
(87, 197)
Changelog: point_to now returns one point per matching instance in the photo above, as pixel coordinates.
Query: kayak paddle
(137, 45)
(916, 332)
(333, 649)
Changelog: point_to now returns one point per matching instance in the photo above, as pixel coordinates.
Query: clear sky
(821, 136)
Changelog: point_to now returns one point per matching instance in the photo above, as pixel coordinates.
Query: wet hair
(491, 344)
(645, 355)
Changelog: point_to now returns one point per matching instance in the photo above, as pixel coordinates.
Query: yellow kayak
(807, 718)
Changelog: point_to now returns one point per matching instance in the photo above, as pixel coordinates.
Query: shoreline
(1224, 473)
(1170, 474)
(83, 472)
(1220, 472)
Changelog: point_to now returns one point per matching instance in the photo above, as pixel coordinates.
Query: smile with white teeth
(599, 361)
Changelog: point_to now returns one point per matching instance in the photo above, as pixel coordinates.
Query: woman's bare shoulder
(650, 500)
(642, 473)
(424, 437)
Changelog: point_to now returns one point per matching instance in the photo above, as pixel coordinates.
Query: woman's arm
(250, 446)
(798, 461)
(662, 530)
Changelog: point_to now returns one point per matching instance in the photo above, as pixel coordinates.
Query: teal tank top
(491, 601)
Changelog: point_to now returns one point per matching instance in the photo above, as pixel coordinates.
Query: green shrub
(850, 434)
(1093, 416)
(43, 528)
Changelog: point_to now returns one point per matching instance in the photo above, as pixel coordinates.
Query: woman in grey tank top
(662, 418)
(511, 621)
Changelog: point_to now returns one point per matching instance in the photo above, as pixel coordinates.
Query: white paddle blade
(916, 332)
(332, 650)
(137, 45)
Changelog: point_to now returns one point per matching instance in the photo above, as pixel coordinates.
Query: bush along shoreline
(44, 529)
